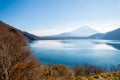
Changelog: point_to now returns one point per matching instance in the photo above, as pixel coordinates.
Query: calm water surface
(70, 52)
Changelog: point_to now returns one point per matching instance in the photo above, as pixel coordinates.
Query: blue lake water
(70, 52)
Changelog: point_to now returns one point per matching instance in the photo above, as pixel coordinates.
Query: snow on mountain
(83, 31)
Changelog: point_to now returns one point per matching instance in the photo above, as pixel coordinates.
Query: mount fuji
(83, 31)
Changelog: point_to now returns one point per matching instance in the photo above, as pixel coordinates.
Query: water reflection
(51, 44)
(69, 52)
(113, 43)
(104, 47)
(117, 46)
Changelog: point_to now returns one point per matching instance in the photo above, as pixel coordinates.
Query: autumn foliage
(18, 63)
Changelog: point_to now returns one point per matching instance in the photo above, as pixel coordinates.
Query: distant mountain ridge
(84, 31)
(30, 36)
(112, 35)
(97, 36)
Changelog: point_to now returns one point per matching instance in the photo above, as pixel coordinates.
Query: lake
(70, 52)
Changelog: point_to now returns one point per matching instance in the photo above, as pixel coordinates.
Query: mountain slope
(7, 29)
(30, 36)
(80, 32)
(112, 35)
(97, 36)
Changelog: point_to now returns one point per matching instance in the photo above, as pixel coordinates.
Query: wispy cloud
(105, 27)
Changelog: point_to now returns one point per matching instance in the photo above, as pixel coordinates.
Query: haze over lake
(70, 52)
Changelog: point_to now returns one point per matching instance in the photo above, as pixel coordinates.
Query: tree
(16, 61)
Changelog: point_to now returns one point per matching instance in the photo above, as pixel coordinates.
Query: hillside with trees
(18, 63)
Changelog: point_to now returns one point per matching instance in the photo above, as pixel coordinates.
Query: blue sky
(47, 17)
